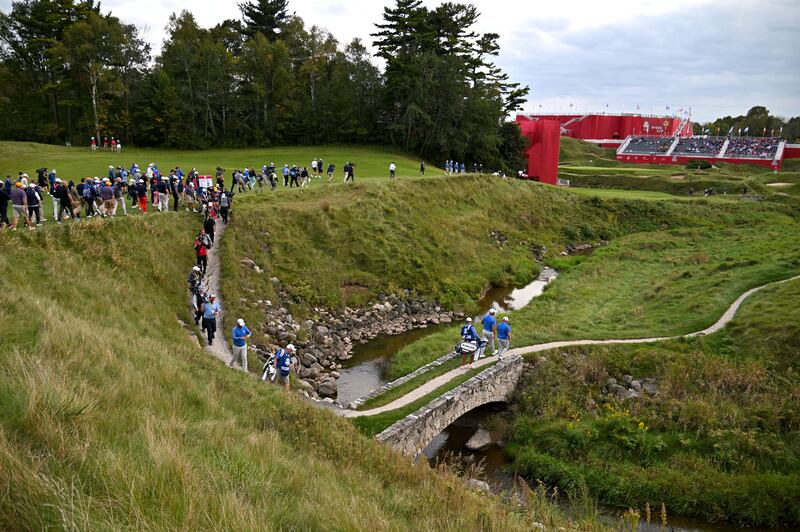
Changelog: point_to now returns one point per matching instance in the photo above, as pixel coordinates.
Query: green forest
(69, 71)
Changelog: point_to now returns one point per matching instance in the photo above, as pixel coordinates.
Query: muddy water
(364, 372)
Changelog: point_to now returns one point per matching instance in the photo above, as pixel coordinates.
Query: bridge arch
(413, 433)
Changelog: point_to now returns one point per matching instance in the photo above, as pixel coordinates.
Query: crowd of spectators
(706, 146)
(649, 145)
(753, 147)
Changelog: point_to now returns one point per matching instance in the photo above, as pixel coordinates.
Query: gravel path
(431, 385)
(220, 348)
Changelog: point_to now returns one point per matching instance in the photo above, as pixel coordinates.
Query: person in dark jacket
(141, 195)
(209, 226)
(5, 197)
(34, 203)
(64, 202)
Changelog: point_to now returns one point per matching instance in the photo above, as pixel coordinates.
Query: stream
(365, 371)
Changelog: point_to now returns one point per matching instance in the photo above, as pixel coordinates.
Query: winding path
(441, 380)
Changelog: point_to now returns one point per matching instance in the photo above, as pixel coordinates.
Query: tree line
(756, 123)
(69, 71)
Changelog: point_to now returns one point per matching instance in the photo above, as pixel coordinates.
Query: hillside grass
(113, 417)
(653, 283)
(77, 162)
(720, 440)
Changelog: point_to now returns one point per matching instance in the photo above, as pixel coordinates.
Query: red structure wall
(543, 151)
(614, 127)
(791, 151)
(680, 159)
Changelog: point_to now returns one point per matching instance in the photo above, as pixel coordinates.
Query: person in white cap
(469, 334)
(239, 337)
(490, 330)
(283, 364)
(503, 337)
(211, 310)
(56, 201)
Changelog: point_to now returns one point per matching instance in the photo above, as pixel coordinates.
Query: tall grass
(112, 417)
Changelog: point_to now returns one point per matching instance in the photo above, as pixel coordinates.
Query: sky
(717, 57)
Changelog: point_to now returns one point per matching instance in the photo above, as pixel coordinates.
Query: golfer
(239, 337)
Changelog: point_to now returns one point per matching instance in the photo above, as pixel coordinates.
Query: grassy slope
(76, 162)
(720, 440)
(651, 283)
(112, 417)
(344, 245)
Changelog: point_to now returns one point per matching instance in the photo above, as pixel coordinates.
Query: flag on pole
(570, 105)
(747, 129)
(637, 106)
(764, 134)
(731, 131)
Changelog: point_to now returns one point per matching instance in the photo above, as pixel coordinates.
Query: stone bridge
(413, 433)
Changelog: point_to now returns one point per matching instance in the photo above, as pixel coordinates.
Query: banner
(205, 181)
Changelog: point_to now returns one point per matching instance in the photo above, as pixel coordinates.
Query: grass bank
(719, 440)
(113, 417)
(665, 282)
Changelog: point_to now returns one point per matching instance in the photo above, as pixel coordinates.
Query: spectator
(34, 203)
(19, 204)
(211, 311)
(201, 246)
(5, 197)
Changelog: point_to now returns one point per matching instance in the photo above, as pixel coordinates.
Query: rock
(478, 485)
(327, 388)
(308, 359)
(257, 269)
(636, 385)
(482, 439)
(327, 401)
(627, 379)
(650, 387)
(315, 370)
(610, 381)
(303, 385)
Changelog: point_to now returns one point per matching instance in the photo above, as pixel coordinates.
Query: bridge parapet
(413, 433)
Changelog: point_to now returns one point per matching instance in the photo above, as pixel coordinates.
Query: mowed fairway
(76, 162)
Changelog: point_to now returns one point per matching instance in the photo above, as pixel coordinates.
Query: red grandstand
(650, 139)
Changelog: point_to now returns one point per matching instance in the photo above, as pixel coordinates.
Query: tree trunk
(93, 95)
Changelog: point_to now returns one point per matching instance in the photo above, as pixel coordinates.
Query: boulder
(327, 388)
(308, 359)
(300, 384)
(482, 439)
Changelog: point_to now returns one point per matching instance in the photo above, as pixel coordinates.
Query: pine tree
(264, 16)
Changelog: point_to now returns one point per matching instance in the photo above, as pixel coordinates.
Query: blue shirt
(284, 361)
(239, 334)
(210, 310)
(503, 330)
(489, 322)
(468, 333)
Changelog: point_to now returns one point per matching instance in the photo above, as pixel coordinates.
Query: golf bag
(268, 372)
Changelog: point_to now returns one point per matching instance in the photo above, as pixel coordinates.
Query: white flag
(747, 129)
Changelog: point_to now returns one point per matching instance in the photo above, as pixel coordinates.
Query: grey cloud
(719, 59)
